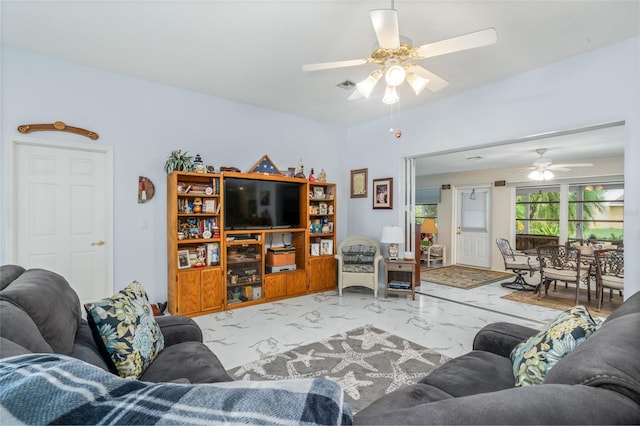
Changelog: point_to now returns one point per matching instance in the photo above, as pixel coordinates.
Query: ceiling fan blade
(435, 82)
(336, 64)
(355, 95)
(569, 165)
(455, 44)
(385, 24)
(542, 162)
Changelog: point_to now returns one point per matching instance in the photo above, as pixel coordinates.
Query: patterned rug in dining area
(563, 298)
(462, 276)
(367, 362)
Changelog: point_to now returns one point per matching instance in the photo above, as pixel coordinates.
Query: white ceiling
(588, 145)
(252, 51)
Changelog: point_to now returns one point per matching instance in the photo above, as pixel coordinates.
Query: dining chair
(519, 263)
(586, 248)
(562, 263)
(609, 272)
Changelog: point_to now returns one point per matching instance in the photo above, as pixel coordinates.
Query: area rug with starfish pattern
(367, 362)
(462, 276)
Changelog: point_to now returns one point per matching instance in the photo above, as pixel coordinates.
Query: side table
(399, 277)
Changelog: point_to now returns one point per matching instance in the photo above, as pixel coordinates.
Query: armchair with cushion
(430, 253)
(358, 259)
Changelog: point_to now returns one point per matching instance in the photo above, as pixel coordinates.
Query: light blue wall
(144, 121)
(596, 87)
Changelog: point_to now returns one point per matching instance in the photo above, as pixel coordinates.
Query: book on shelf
(399, 285)
(213, 254)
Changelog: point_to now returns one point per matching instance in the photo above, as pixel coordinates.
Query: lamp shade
(366, 86)
(428, 227)
(417, 83)
(390, 95)
(392, 235)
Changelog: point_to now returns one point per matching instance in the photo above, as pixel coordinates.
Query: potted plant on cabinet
(178, 161)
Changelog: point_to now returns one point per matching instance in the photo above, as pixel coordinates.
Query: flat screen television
(260, 204)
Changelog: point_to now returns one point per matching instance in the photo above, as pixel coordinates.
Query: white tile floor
(445, 319)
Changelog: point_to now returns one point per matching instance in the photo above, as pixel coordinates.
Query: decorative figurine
(197, 205)
(312, 178)
(198, 165)
(300, 172)
(323, 176)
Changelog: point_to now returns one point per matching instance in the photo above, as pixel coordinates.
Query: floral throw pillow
(533, 358)
(126, 331)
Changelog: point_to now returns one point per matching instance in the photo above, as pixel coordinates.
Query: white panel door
(61, 220)
(473, 243)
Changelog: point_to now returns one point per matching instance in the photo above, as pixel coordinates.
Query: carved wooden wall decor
(57, 126)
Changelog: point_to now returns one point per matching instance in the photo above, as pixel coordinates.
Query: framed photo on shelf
(326, 246)
(209, 205)
(358, 187)
(183, 259)
(383, 193)
(315, 249)
(318, 192)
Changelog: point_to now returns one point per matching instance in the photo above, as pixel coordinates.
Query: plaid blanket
(51, 388)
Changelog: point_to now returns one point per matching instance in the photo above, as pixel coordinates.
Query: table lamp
(429, 228)
(393, 236)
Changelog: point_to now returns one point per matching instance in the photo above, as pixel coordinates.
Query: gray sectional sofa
(40, 312)
(596, 383)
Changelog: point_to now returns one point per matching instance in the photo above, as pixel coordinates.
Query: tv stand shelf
(234, 273)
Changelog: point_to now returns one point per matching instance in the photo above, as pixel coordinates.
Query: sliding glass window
(569, 212)
(537, 216)
(596, 212)
(427, 200)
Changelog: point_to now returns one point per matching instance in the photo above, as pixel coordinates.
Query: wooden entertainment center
(213, 266)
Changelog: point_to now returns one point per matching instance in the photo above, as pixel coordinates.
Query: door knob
(98, 243)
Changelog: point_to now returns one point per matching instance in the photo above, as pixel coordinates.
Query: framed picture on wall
(359, 183)
(383, 193)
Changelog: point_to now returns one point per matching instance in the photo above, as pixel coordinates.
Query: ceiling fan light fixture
(390, 95)
(541, 175)
(365, 87)
(395, 73)
(417, 83)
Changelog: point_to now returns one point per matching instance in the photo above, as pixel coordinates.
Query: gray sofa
(40, 313)
(596, 383)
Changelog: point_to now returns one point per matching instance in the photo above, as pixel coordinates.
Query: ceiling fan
(543, 167)
(397, 59)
